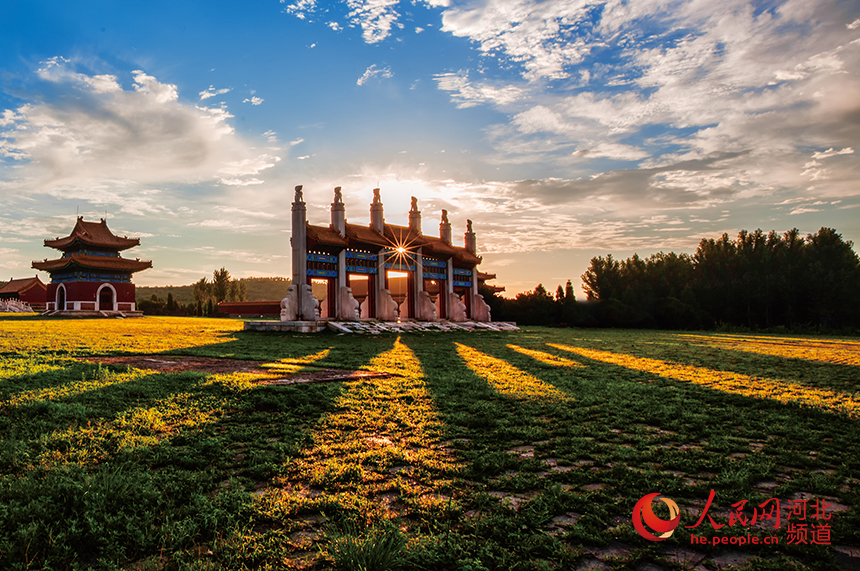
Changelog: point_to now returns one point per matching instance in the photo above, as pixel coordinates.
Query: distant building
(28, 290)
(91, 276)
(483, 278)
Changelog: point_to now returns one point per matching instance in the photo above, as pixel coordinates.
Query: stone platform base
(93, 314)
(297, 326)
(376, 327)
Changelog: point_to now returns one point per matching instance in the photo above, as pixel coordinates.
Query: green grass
(481, 451)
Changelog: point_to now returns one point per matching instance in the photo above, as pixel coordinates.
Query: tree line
(206, 297)
(756, 280)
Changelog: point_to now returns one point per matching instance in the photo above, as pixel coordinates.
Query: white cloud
(301, 8)
(467, 94)
(374, 71)
(375, 17)
(86, 130)
(241, 181)
(832, 153)
(767, 84)
(254, 100)
(246, 167)
(212, 92)
(224, 224)
(612, 151)
(541, 36)
(804, 210)
(148, 85)
(247, 213)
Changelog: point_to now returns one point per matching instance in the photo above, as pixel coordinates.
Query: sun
(402, 248)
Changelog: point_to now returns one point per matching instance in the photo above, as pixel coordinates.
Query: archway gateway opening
(397, 283)
(322, 292)
(362, 290)
(436, 283)
(61, 299)
(106, 299)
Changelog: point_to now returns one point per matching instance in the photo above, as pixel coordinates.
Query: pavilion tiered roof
(94, 234)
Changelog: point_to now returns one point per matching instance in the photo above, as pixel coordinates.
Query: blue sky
(564, 129)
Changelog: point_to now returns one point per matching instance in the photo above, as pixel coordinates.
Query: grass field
(475, 451)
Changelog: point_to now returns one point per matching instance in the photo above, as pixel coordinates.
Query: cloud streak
(374, 72)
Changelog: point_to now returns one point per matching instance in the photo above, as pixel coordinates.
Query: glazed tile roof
(325, 235)
(94, 263)
(365, 234)
(21, 285)
(360, 236)
(92, 234)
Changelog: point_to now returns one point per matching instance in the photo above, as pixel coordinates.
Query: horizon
(565, 130)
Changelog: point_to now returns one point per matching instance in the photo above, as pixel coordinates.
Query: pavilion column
(416, 294)
(471, 243)
(338, 222)
(299, 242)
(448, 288)
(379, 283)
(377, 221)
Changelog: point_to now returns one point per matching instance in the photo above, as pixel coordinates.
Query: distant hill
(258, 289)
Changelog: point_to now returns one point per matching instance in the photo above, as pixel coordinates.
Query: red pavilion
(91, 276)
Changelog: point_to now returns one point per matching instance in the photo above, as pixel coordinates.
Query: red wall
(86, 291)
(35, 295)
(250, 307)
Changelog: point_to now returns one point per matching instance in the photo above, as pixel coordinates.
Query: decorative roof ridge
(94, 234)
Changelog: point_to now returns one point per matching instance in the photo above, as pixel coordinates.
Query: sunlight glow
(295, 364)
(734, 383)
(137, 427)
(103, 378)
(506, 378)
(839, 352)
(150, 334)
(546, 358)
(378, 423)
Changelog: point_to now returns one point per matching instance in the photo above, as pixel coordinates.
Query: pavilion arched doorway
(106, 299)
(61, 299)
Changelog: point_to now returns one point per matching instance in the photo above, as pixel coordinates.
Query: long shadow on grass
(626, 434)
(502, 440)
(673, 348)
(176, 497)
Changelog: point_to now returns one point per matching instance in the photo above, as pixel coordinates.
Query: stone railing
(15, 306)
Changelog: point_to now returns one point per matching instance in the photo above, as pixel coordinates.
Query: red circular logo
(643, 513)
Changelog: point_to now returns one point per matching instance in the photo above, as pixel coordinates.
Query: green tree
(201, 291)
(602, 279)
(568, 305)
(833, 279)
(238, 290)
(220, 284)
